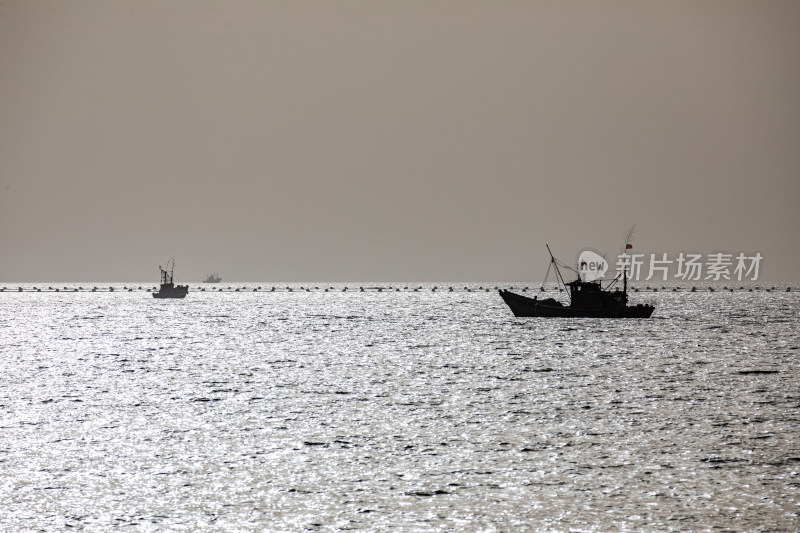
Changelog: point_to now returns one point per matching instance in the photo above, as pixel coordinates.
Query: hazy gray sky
(392, 140)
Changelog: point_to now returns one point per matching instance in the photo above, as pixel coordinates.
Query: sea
(395, 407)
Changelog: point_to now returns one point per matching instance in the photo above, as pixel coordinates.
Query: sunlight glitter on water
(387, 410)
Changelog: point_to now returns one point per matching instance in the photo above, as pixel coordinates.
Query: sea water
(396, 410)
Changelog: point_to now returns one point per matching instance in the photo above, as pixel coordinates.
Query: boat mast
(555, 264)
(166, 273)
(625, 282)
(628, 246)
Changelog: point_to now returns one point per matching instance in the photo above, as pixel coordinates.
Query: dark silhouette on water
(168, 288)
(587, 299)
(213, 278)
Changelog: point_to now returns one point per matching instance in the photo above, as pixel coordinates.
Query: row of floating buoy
(362, 288)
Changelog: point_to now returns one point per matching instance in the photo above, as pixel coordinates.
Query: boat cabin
(590, 295)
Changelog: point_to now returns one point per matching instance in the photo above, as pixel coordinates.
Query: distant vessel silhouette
(213, 278)
(168, 288)
(587, 299)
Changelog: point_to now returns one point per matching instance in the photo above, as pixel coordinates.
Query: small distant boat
(168, 288)
(587, 299)
(213, 278)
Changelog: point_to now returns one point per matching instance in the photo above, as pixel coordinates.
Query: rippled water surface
(404, 410)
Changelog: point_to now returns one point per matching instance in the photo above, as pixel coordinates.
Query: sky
(370, 140)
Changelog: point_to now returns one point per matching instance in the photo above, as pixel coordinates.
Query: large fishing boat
(168, 288)
(213, 278)
(587, 299)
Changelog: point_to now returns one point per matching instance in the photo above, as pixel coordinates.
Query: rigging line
(547, 274)
(559, 277)
(564, 265)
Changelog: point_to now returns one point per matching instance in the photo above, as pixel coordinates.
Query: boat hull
(523, 306)
(179, 291)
